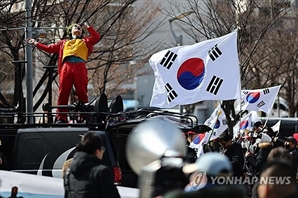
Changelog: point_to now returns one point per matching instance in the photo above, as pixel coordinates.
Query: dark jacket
(256, 162)
(89, 178)
(236, 157)
(294, 156)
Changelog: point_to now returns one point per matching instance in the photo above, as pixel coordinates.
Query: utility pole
(29, 74)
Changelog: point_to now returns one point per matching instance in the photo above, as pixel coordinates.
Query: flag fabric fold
(258, 99)
(208, 70)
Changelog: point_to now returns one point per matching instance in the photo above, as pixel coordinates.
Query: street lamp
(178, 39)
(29, 74)
(39, 33)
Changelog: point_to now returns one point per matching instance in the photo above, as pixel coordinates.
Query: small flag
(246, 122)
(258, 100)
(276, 127)
(198, 143)
(217, 122)
(213, 115)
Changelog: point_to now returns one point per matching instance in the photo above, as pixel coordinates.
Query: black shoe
(60, 122)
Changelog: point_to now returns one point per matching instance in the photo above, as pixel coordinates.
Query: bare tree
(117, 58)
(265, 44)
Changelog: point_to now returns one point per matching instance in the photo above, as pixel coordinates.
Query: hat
(201, 128)
(212, 163)
(191, 133)
(291, 139)
(258, 123)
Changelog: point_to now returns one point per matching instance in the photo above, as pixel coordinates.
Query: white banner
(34, 186)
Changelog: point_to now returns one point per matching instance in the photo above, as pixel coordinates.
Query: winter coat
(89, 178)
(257, 161)
(294, 156)
(236, 157)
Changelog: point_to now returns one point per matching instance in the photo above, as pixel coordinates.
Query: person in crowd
(290, 144)
(257, 128)
(278, 153)
(233, 151)
(255, 161)
(88, 176)
(276, 180)
(72, 57)
(203, 182)
(269, 131)
(191, 154)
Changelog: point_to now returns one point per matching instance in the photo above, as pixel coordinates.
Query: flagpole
(218, 114)
(208, 142)
(240, 97)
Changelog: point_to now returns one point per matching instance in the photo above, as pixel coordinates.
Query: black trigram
(245, 92)
(214, 85)
(172, 94)
(266, 91)
(214, 53)
(168, 60)
(224, 122)
(262, 103)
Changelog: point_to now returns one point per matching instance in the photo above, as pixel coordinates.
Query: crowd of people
(253, 156)
(256, 164)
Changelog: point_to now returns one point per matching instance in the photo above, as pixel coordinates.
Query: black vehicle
(41, 148)
(288, 126)
(121, 125)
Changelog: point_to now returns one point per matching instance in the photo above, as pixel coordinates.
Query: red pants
(72, 74)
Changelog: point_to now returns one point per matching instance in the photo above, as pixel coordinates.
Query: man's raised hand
(31, 41)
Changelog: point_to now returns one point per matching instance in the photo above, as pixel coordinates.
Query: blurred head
(258, 126)
(207, 166)
(91, 143)
(279, 153)
(290, 142)
(276, 170)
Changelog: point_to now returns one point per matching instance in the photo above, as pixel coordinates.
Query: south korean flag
(208, 70)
